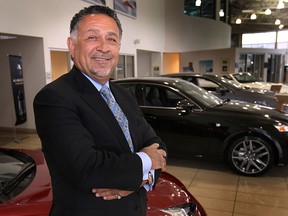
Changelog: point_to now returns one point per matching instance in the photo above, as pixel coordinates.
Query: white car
(250, 81)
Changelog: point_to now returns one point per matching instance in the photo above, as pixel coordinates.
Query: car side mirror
(185, 107)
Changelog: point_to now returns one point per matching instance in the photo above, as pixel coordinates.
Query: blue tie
(118, 113)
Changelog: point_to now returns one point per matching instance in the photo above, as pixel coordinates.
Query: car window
(227, 77)
(154, 95)
(174, 94)
(161, 96)
(246, 78)
(136, 91)
(231, 83)
(207, 84)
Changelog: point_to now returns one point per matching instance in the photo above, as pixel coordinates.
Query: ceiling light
(221, 13)
(277, 22)
(281, 26)
(238, 21)
(268, 11)
(198, 3)
(280, 5)
(253, 16)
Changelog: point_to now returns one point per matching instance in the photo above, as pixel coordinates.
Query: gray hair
(94, 9)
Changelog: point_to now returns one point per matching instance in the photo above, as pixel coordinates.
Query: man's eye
(114, 40)
(92, 38)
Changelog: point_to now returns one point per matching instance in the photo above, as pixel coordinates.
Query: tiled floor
(224, 193)
(221, 192)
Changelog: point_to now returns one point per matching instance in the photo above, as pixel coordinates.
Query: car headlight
(183, 210)
(281, 127)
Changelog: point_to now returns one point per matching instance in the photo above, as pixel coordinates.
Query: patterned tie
(118, 113)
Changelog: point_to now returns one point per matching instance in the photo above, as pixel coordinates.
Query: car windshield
(231, 83)
(246, 78)
(16, 172)
(198, 93)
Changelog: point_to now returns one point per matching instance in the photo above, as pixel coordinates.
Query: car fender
(253, 131)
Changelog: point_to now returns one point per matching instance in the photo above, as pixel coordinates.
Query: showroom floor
(221, 192)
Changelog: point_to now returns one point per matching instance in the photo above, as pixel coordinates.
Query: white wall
(217, 56)
(33, 75)
(186, 33)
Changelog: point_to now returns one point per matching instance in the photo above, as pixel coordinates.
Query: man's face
(96, 50)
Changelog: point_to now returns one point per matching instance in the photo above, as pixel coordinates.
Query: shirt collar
(96, 84)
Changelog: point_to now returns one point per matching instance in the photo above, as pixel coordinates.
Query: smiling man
(101, 153)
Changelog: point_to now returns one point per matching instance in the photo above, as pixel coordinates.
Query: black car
(193, 122)
(228, 89)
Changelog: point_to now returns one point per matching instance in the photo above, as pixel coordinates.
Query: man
(93, 169)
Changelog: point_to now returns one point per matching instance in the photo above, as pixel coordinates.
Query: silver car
(228, 89)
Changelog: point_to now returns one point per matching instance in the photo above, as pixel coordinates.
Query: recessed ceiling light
(280, 5)
(277, 22)
(268, 11)
(253, 16)
(198, 3)
(221, 13)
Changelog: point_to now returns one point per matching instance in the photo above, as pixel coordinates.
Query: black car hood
(240, 107)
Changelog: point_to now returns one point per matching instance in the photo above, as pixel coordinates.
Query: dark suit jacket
(85, 147)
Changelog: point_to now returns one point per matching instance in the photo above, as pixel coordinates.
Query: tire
(250, 156)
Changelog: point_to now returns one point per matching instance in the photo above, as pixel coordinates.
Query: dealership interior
(233, 48)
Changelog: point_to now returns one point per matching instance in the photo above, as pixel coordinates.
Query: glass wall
(271, 40)
(200, 8)
(282, 40)
(253, 63)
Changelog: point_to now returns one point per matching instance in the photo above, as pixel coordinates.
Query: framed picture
(127, 8)
(99, 2)
(225, 66)
(206, 66)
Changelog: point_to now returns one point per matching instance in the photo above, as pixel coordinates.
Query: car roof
(183, 74)
(159, 80)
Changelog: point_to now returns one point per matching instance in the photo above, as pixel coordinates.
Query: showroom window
(272, 40)
(203, 8)
(206, 9)
(125, 67)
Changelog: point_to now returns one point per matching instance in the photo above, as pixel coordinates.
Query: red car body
(36, 198)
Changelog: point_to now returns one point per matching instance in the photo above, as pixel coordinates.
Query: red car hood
(37, 197)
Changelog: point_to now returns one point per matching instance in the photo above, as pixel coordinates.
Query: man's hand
(157, 156)
(110, 194)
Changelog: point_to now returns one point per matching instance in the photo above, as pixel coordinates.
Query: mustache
(102, 56)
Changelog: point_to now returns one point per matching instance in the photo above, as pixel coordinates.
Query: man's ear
(71, 46)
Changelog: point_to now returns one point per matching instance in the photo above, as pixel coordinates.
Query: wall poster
(18, 88)
(225, 66)
(206, 66)
(127, 8)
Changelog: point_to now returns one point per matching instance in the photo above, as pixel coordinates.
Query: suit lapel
(92, 97)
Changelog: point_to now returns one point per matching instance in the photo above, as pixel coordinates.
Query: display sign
(18, 88)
